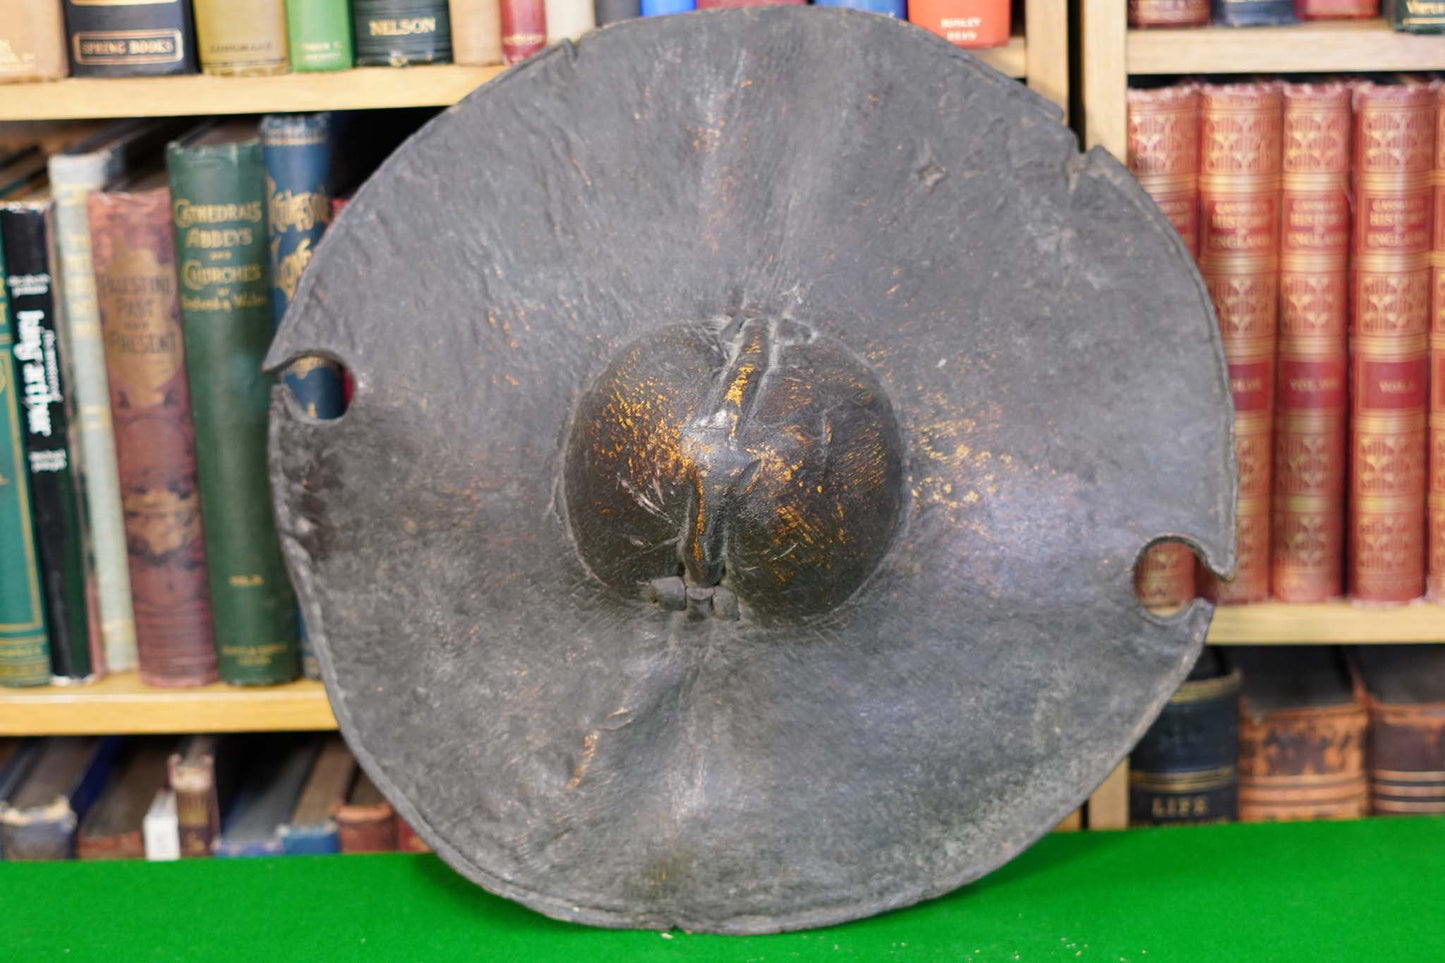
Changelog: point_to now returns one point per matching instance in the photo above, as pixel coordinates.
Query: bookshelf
(1110, 53)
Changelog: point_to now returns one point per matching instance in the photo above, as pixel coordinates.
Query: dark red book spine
(1435, 500)
(1313, 373)
(1394, 158)
(1164, 156)
(135, 275)
(1239, 195)
(524, 29)
(1168, 13)
(1336, 9)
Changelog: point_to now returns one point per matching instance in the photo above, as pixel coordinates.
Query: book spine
(407, 841)
(1416, 16)
(477, 30)
(897, 9)
(1307, 543)
(1407, 766)
(366, 829)
(32, 41)
(1239, 195)
(38, 836)
(242, 38)
(718, 4)
(218, 210)
(318, 34)
(135, 273)
(24, 641)
(1168, 13)
(40, 380)
(650, 8)
(1394, 157)
(123, 38)
(608, 11)
(395, 33)
(524, 28)
(71, 179)
(567, 19)
(1185, 769)
(198, 813)
(1163, 154)
(1435, 445)
(161, 830)
(972, 24)
(1253, 13)
(1302, 764)
(1336, 9)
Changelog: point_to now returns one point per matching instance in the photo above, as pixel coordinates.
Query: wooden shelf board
(362, 88)
(120, 704)
(1342, 623)
(1320, 46)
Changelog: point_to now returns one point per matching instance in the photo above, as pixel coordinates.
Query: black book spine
(611, 11)
(40, 386)
(1186, 768)
(1253, 13)
(128, 38)
(399, 32)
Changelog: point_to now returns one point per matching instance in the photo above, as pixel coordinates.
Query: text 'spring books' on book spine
(114, 828)
(605, 12)
(1394, 158)
(135, 273)
(127, 38)
(1301, 735)
(40, 818)
(477, 30)
(400, 32)
(524, 27)
(1253, 13)
(1435, 445)
(1416, 16)
(567, 19)
(40, 375)
(24, 640)
(366, 821)
(1164, 158)
(161, 828)
(32, 41)
(242, 38)
(1168, 13)
(318, 34)
(964, 23)
(898, 9)
(1185, 769)
(1239, 198)
(1336, 9)
(1406, 686)
(218, 191)
(1307, 546)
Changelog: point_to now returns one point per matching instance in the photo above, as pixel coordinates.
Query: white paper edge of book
(161, 829)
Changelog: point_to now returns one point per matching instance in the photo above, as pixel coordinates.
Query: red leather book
(1435, 498)
(366, 822)
(135, 275)
(1394, 157)
(1333, 9)
(1168, 13)
(524, 29)
(1239, 195)
(1164, 157)
(1406, 685)
(1307, 546)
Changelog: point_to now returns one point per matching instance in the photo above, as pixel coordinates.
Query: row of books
(1413, 16)
(49, 39)
(1310, 210)
(1286, 733)
(145, 269)
(163, 798)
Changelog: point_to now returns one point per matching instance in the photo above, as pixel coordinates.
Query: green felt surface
(1360, 891)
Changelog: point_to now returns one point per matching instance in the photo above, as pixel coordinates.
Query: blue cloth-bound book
(41, 813)
(890, 8)
(269, 791)
(312, 829)
(654, 8)
(1253, 13)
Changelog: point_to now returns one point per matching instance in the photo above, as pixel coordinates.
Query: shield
(758, 416)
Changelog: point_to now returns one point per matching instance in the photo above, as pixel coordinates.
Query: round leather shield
(758, 416)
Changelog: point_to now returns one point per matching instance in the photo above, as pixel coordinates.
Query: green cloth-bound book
(319, 32)
(218, 209)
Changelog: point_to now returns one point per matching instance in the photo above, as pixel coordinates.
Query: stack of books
(1414, 16)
